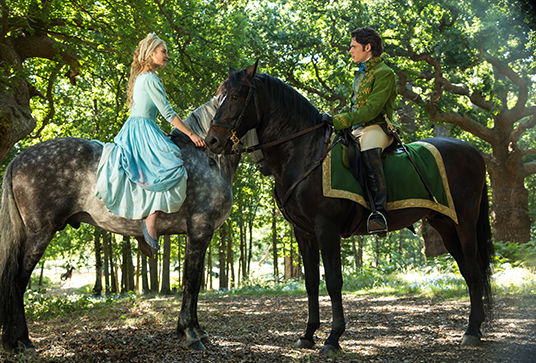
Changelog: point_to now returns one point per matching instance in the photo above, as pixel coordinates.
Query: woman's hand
(197, 140)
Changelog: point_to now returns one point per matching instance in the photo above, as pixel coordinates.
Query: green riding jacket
(373, 96)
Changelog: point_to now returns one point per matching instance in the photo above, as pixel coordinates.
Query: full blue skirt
(141, 172)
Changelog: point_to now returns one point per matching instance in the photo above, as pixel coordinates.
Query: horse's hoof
(203, 336)
(304, 344)
(194, 345)
(26, 348)
(471, 341)
(330, 349)
(206, 341)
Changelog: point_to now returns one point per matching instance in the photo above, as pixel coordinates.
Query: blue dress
(142, 171)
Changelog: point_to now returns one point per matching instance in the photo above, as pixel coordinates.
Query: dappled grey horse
(52, 184)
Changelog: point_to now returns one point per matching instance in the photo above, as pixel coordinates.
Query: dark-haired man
(373, 99)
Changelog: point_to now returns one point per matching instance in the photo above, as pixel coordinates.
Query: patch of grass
(38, 306)
(260, 287)
(35, 281)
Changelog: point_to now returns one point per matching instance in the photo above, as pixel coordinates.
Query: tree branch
(462, 90)
(523, 126)
(173, 25)
(528, 152)
(50, 99)
(5, 18)
(328, 97)
(520, 82)
(464, 122)
(96, 47)
(405, 92)
(42, 46)
(530, 168)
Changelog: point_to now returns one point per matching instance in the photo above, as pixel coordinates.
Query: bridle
(235, 140)
(252, 92)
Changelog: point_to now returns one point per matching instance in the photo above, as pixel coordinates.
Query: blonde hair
(141, 59)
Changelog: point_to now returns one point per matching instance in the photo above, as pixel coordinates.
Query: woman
(142, 172)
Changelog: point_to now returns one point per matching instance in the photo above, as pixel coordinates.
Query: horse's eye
(234, 97)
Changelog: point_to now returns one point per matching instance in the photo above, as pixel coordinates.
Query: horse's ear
(250, 72)
(231, 71)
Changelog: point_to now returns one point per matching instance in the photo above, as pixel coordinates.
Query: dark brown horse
(277, 112)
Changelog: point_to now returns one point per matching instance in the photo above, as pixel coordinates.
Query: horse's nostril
(212, 141)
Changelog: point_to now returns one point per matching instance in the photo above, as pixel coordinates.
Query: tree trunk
(127, 270)
(178, 268)
(243, 247)
(376, 251)
(15, 90)
(97, 289)
(106, 248)
(209, 266)
(509, 210)
(230, 261)
(250, 248)
(153, 272)
(137, 273)
(224, 281)
(113, 274)
(130, 265)
(356, 256)
(116, 281)
(166, 260)
(42, 273)
(144, 278)
(274, 241)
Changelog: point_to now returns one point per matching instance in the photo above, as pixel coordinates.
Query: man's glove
(326, 117)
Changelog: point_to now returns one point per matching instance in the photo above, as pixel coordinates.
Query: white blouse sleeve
(158, 96)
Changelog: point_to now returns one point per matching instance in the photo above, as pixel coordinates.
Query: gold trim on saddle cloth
(449, 211)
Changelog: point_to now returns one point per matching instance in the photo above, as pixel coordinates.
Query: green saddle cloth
(404, 186)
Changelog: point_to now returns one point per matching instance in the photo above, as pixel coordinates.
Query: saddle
(352, 153)
(404, 186)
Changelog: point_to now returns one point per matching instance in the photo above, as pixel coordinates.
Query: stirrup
(380, 229)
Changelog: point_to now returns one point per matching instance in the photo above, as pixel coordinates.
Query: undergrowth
(439, 278)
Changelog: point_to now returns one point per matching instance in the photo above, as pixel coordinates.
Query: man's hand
(341, 121)
(326, 117)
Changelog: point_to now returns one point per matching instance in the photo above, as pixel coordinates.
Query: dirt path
(264, 329)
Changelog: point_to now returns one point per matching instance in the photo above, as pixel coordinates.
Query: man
(372, 101)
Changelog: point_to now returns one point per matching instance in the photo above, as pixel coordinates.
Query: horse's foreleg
(310, 254)
(329, 238)
(188, 326)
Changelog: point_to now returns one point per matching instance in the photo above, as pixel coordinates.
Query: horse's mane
(286, 95)
(199, 121)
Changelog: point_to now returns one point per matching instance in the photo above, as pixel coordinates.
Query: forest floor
(264, 329)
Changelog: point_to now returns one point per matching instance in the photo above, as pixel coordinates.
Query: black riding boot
(375, 180)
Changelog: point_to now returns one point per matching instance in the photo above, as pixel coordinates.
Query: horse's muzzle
(216, 142)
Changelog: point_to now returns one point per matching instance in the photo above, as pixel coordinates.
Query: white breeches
(372, 137)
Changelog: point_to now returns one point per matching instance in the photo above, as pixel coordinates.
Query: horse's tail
(486, 251)
(11, 239)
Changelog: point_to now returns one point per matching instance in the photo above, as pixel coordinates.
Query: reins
(253, 148)
(253, 92)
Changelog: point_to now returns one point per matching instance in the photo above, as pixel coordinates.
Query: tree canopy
(465, 69)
